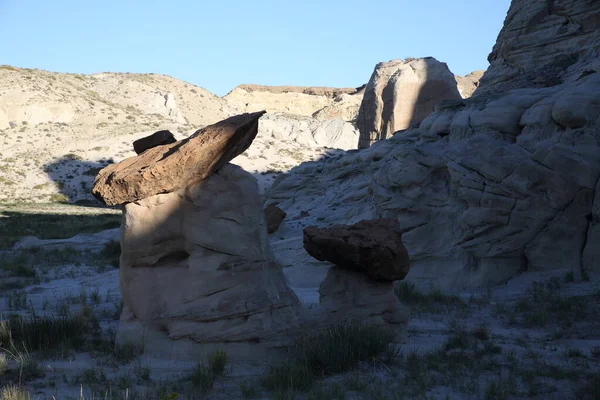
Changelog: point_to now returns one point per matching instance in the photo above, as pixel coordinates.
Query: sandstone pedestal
(197, 272)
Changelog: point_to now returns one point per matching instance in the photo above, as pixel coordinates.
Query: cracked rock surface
(544, 43)
(486, 187)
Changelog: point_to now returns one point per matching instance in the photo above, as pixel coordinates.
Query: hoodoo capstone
(171, 167)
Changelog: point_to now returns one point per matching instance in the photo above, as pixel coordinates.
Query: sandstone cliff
(544, 43)
(318, 102)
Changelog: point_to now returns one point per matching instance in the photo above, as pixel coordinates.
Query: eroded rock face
(156, 139)
(310, 132)
(196, 267)
(317, 102)
(176, 166)
(468, 84)
(485, 187)
(348, 296)
(544, 43)
(373, 247)
(400, 94)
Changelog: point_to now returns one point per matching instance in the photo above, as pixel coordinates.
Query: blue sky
(220, 44)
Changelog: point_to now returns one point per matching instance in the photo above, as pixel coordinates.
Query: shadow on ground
(15, 224)
(74, 178)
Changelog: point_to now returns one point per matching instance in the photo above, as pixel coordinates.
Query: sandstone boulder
(196, 269)
(373, 247)
(156, 139)
(178, 165)
(400, 94)
(274, 216)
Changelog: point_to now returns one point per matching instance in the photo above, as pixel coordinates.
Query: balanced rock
(156, 139)
(401, 94)
(373, 247)
(197, 271)
(174, 166)
(274, 216)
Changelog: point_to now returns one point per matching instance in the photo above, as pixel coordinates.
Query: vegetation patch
(434, 300)
(16, 224)
(335, 350)
(544, 305)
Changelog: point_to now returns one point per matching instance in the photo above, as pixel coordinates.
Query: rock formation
(156, 139)
(400, 94)
(310, 132)
(368, 257)
(318, 102)
(175, 166)
(468, 84)
(274, 216)
(486, 187)
(196, 268)
(544, 43)
(373, 247)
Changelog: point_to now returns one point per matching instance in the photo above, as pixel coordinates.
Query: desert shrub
(44, 333)
(92, 171)
(110, 254)
(546, 305)
(337, 349)
(14, 392)
(58, 198)
(203, 376)
(433, 300)
(72, 156)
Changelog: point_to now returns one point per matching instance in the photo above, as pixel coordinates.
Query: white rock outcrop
(544, 43)
(310, 132)
(486, 187)
(402, 93)
(317, 102)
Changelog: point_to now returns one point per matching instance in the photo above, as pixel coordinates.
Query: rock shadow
(74, 178)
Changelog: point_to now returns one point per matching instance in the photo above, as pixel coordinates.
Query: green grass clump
(44, 333)
(545, 305)
(434, 300)
(110, 254)
(335, 350)
(203, 376)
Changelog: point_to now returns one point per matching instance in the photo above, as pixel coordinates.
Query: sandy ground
(576, 348)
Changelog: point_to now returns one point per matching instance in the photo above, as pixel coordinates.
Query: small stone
(156, 139)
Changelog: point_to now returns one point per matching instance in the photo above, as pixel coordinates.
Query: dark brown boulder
(373, 247)
(274, 215)
(174, 166)
(156, 139)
